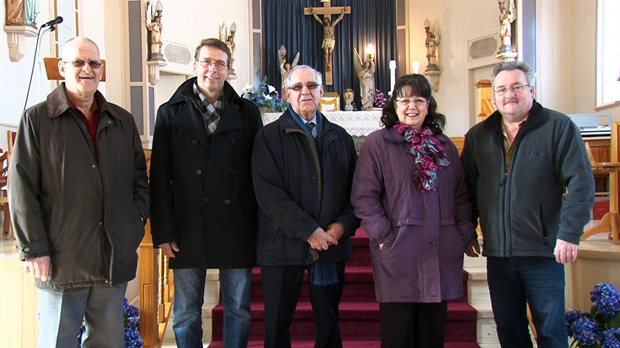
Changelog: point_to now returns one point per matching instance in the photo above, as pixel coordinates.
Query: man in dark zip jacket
(532, 186)
(79, 197)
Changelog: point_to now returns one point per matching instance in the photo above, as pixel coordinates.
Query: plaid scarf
(210, 111)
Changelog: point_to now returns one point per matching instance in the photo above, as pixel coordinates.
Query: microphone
(53, 22)
(51, 27)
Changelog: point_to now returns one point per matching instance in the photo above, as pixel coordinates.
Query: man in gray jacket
(79, 197)
(531, 184)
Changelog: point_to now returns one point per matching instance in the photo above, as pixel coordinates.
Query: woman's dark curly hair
(413, 85)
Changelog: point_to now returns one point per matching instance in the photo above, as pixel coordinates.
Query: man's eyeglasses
(514, 89)
(417, 101)
(78, 63)
(299, 86)
(219, 65)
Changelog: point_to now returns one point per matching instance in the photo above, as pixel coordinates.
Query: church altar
(357, 123)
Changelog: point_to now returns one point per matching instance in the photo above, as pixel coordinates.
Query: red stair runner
(359, 310)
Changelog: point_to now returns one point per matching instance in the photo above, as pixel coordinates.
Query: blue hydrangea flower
(586, 331)
(571, 317)
(133, 338)
(610, 338)
(607, 298)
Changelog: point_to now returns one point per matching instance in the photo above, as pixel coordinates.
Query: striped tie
(312, 127)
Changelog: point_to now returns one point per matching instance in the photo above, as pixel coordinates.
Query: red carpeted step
(359, 311)
(361, 249)
(358, 320)
(347, 344)
(359, 285)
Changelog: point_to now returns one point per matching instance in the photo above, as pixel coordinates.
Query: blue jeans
(62, 312)
(189, 287)
(515, 283)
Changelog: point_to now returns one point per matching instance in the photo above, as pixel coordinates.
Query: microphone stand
(34, 60)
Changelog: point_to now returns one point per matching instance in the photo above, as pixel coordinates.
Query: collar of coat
(536, 118)
(286, 121)
(58, 102)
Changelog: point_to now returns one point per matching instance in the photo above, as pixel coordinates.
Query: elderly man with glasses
(532, 187)
(204, 209)
(303, 170)
(79, 197)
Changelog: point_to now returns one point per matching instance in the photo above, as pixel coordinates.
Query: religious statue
(432, 40)
(366, 73)
(15, 12)
(229, 40)
(285, 65)
(32, 11)
(22, 12)
(154, 25)
(329, 40)
(507, 15)
(348, 99)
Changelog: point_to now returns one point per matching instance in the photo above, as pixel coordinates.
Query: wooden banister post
(149, 328)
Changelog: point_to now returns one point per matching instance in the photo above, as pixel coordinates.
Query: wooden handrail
(155, 287)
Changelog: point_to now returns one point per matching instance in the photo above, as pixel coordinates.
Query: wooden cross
(329, 40)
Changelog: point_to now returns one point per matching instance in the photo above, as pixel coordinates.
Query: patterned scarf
(428, 155)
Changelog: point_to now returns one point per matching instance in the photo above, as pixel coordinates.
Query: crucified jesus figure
(329, 41)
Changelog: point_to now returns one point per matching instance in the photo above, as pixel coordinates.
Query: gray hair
(319, 77)
(514, 65)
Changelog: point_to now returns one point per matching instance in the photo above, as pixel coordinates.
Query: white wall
(458, 22)
(204, 19)
(565, 67)
(566, 54)
(14, 76)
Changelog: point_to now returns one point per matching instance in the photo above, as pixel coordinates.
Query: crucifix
(329, 40)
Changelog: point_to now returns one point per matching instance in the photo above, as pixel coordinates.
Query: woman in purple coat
(410, 193)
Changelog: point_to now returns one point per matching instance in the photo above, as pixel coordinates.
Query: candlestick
(415, 66)
(392, 75)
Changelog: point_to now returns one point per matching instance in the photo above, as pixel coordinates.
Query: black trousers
(282, 286)
(413, 325)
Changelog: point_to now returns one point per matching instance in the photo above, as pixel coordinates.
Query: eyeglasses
(299, 86)
(78, 63)
(514, 89)
(417, 101)
(219, 64)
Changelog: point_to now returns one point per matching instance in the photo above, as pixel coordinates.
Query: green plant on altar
(600, 328)
(265, 96)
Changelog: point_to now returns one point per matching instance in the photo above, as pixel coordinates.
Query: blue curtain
(370, 21)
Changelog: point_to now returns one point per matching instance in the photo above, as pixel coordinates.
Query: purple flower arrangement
(601, 327)
(380, 99)
(265, 96)
(131, 314)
